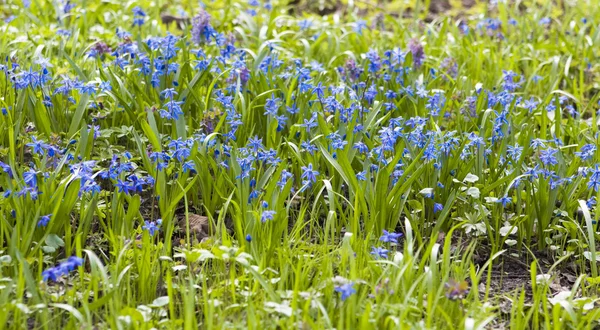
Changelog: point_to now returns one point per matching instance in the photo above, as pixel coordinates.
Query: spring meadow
(246, 164)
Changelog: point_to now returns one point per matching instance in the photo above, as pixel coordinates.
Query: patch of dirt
(199, 228)
(511, 272)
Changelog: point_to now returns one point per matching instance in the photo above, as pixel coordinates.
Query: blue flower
(88, 88)
(152, 226)
(379, 252)
(168, 93)
(50, 274)
(255, 143)
(310, 123)
(44, 220)
(421, 91)
(319, 90)
(531, 104)
(285, 176)
(309, 174)
(138, 16)
(437, 207)
(591, 202)
(37, 145)
(510, 83)
(173, 110)
(547, 157)
(181, 154)
(138, 11)
(346, 290)
(594, 181)
(418, 53)
(587, 152)
(361, 176)
(267, 215)
(304, 24)
(30, 178)
(374, 61)
(537, 143)
(359, 26)
(293, 109)
(188, 166)
(361, 147)
(6, 169)
(390, 237)
(272, 106)
(505, 200)
(123, 186)
(514, 152)
(308, 147)
(63, 268)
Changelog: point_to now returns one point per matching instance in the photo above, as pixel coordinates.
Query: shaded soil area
(327, 7)
(511, 273)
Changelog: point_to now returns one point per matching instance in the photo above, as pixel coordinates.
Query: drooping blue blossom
(6, 169)
(188, 166)
(44, 220)
(285, 176)
(361, 176)
(594, 179)
(30, 178)
(504, 200)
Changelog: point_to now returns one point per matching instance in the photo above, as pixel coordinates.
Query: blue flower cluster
(62, 269)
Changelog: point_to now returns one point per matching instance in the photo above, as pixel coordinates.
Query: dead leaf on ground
(199, 227)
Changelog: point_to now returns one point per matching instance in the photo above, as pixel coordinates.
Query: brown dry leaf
(441, 237)
(295, 201)
(199, 227)
(180, 22)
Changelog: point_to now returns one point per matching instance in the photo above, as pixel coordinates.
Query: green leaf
(79, 112)
(54, 241)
